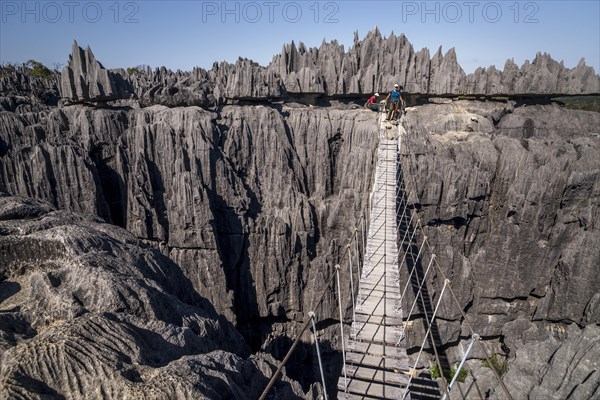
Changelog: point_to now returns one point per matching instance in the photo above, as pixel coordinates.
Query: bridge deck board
(376, 349)
(376, 375)
(373, 389)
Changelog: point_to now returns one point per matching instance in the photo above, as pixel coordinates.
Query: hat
(376, 94)
(396, 85)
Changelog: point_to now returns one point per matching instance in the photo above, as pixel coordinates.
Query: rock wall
(253, 202)
(89, 311)
(509, 198)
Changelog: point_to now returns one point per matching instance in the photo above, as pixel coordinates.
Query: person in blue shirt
(395, 102)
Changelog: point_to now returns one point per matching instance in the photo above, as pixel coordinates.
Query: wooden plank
(377, 266)
(373, 273)
(377, 298)
(379, 252)
(354, 396)
(376, 375)
(390, 338)
(381, 209)
(374, 327)
(374, 292)
(389, 320)
(378, 311)
(367, 333)
(393, 364)
(389, 288)
(372, 389)
(378, 237)
(376, 349)
(390, 285)
(374, 303)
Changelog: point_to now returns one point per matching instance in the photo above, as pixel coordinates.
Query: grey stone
(552, 361)
(85, 79)
(89, 311)
(372, 64)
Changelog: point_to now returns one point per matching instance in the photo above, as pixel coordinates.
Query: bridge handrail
(443, 275)
(311, 315)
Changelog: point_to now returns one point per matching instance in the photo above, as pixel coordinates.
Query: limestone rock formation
(254, 202)
(249, 202)
(372, 64)
(509, 197)
(22, 92)
(85, 79)
(89, 311)
(375, 63)
(553, 361)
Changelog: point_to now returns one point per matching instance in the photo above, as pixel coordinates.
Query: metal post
(337, 273)
(351, 283)
(446, 282)
(285, 360)
(311, 314)
(462, 362)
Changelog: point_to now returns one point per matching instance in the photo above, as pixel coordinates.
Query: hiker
(395, 101)
(372, 103)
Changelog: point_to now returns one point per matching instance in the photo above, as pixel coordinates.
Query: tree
(38, 69)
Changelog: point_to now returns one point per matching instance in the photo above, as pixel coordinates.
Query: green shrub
(587, 103)
(449, 373)
(38, 69)
(435, 371)
(7, 69)
(462, 375)
(498, 363)
(133, 70)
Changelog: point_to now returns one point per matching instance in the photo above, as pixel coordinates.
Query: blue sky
(184, 34)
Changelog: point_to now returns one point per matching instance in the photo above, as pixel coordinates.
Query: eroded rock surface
(254, 203)
(89, 311)
(509, 197)
(372, 64)
(85, 79)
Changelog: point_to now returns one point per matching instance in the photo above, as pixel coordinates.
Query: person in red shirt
(372, 102)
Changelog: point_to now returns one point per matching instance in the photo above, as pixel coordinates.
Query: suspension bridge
(376, 365)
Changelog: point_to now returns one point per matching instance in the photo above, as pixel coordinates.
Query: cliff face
(514, 206)
(509, 198)
(245, 201)
(253, 204)
(89, 311)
